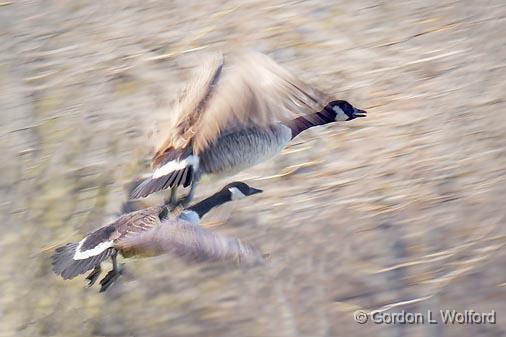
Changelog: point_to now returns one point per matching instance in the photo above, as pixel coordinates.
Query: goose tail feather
(67, 266)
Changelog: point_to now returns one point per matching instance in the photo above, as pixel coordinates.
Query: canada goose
(154, 231)
(238, 111)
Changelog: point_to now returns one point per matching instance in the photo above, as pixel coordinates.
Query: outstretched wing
(191, 105)
(254, 91)
(241, 89)
(193, 242)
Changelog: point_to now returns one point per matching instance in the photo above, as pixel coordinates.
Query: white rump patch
(176, 165)
(236, 193)
(98, 249)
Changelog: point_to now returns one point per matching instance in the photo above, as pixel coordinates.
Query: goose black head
(238, 190)
(344, 111)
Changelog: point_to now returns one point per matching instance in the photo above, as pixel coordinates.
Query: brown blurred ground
(406, 205)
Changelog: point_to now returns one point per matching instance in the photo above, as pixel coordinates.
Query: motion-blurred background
(403, 209)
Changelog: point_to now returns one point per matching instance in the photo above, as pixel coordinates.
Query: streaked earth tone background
(405, 208)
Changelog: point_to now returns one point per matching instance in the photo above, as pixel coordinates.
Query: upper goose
(237, 111)
(154, 231)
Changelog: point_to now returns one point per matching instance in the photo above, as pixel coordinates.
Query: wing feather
(135, 223)
(193, 242)
(191, 104)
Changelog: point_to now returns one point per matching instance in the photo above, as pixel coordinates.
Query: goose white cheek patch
(236, 193)
(340, 115)
(176, 165)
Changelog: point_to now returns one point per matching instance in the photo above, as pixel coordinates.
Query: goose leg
(93, 276)
(185, 201)
(111, 276)
(171, 201)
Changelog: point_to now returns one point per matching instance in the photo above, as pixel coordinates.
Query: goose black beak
(253, 190)
(359, 113)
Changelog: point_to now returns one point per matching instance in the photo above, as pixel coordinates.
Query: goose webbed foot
(93, 276)
(111, 276)
(185, 201)
(109, 279)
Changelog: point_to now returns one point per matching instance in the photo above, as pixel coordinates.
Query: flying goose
(238, 111)
(154, 231)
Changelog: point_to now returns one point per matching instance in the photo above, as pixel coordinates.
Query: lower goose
(154, 231)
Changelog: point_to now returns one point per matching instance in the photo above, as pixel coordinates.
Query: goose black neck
(201, 208)
(299, 124)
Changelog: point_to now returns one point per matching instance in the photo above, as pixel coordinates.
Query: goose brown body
(154, 231)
